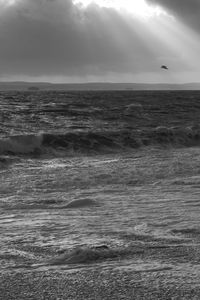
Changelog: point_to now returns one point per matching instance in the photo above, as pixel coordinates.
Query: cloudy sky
(100, 40)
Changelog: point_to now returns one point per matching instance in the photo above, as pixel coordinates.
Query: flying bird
(164, 67)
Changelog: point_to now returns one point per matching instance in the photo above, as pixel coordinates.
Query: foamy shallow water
(144, 200)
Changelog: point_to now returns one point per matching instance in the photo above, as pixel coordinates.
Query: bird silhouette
(164, 67)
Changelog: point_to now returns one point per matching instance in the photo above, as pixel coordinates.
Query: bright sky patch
(8, 2)
(135, 7)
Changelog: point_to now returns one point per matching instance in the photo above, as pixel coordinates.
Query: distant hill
(36, 86)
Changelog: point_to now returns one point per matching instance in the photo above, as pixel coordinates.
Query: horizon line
(94, 82)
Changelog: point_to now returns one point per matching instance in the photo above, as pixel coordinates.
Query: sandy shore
(101, 284)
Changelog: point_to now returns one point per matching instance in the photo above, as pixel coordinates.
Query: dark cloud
(187, 10)
(55, 37)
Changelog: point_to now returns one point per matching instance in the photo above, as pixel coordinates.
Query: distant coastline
(37, 86)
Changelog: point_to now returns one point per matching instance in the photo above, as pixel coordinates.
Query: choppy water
(133, 159)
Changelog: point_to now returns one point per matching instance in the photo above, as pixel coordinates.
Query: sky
(100, 40)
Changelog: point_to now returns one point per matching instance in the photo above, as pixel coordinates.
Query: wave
(89, 254)
(21, 144)
(188, 232)
(5, 161)
(183, 136)
(100, 141)
(135, 249)
(56, 204)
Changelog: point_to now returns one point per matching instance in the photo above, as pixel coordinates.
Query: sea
(100, 178)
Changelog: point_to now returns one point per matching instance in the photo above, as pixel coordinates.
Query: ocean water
(100, 179)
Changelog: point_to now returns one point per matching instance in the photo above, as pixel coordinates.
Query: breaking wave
(87, 255)
(5, 161)
(21, 144)
(100, 141)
